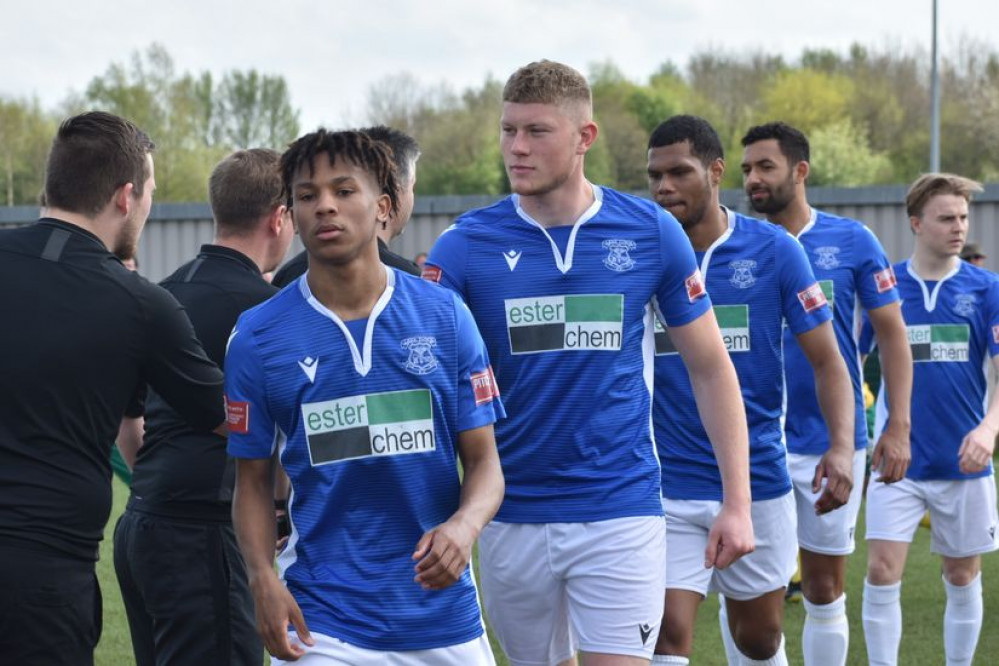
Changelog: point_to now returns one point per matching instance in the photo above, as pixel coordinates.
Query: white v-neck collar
(706, 260)
(362, 358)
(564, 264)
(813, 215)
(930, 297)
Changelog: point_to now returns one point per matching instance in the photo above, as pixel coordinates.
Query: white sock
(882, 613)
(731, 651)
(962, 621)
(826, 636)
(670, 659)
(778, 659)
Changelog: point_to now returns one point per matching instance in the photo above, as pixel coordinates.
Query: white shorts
(329, 651)
(550, 589)
(963, 516)
(766, 569)
(830, 533)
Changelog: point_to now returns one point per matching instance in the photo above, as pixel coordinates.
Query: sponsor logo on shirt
(733, 320)
(581, 322)
(484, 386)
(964, 305)
(829, 290)
(939, 343)
(695, 286)
(618, 259)
(825, 257)
(364, 426)
(421, 359)
(237, 416)
(885, 279)
(812, 298)
(431, 273)
(512, 257)
(742, 273)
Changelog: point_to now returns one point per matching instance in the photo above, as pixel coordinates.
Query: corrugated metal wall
(175, 231)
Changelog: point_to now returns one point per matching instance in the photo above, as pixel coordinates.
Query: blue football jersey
(757, 276)
(855, 275)
(953, 328)
(368, 436)
(571, 338)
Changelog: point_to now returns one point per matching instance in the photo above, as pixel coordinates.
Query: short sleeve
(681, 296)
(802, 299)
(446, 262)
(251, 427)
(479, 401)
(875, 275)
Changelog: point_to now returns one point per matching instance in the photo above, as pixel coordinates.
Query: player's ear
(383, 209)
(716, 169)
(801, 171)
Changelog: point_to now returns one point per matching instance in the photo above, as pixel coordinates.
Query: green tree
(841, 156)
(25, 135)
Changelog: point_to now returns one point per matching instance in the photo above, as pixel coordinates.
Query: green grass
(922, 602)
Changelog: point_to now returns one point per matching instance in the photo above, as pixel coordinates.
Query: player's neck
(563, 205)
(795, 216)
(709, 229)
(102, 226)
(352, 289)
(931, 266)
(254, 247)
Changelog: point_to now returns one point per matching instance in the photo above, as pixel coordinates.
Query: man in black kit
(181, 575)
(405, 152)
(81, 334)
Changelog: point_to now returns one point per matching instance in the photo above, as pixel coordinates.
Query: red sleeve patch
(812, 298)
(484, 386)
(237, 416)
(885, 279)
(431, 273)
(695, 286)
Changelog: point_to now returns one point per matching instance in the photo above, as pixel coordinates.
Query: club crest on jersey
(421, 360)
(742, 273)
(618, 259)
(826, 257)
(885, 279)
(964, 304)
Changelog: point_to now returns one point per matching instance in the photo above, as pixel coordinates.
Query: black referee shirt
(297, 265)
(80, 334)
(180, 471)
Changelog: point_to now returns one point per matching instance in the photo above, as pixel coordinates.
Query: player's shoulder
(745, 224)
(274, 310)
(844, 225)
(480, 219)
(614, 201)
(978, 276)
(422, 291)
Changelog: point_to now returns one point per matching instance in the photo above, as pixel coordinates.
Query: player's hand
(836, 467)
(730, 538)
(976, 450)
(442, 554)
(275, 609)
(892, 454)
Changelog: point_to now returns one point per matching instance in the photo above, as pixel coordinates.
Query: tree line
(866, 112)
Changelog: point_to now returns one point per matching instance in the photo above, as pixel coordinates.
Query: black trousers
(50, 609)
(185, 592)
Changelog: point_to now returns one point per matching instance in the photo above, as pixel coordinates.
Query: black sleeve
(137, 405)
(177, 367)
(295, 268)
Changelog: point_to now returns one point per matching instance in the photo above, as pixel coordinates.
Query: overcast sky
(331, 51)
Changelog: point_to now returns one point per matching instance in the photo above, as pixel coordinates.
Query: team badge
(618, 259)
(812, 298)
(885, 279)
(695, 286)
(742, 273)
(826, 257)
(421, 360)
(964, 305)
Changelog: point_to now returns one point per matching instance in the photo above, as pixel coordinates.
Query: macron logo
(512, 257)
(309, 366)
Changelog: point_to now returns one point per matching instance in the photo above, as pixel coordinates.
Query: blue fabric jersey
(368, 436)
(757, 276)
(953, 328)
(855, 275)
(570, 335)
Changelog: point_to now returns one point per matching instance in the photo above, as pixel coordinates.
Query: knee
(822, 588)
(960, 576)
(758, 643)
(676, 635)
